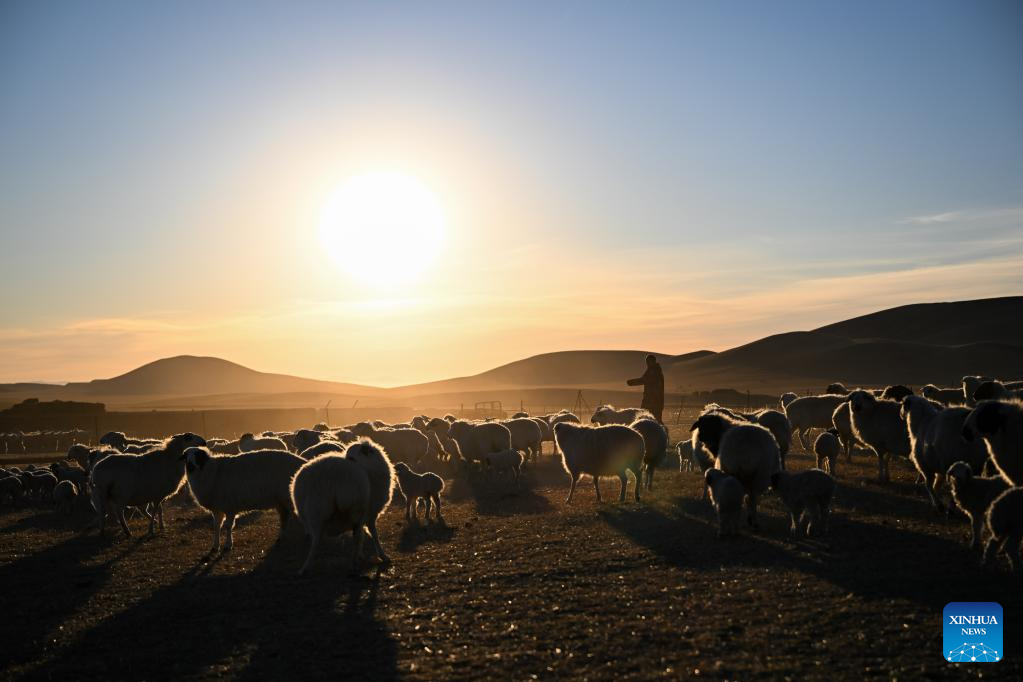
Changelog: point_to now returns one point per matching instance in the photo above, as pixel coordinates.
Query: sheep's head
(322, 426)
(960, 472)
(990, 390)
(837, 388)
(896, 392)
(77, 452)
(362, 429)
(114, 439)
(985, 420)
(713, 475)
(401, 468)
(860, 400)
(246, 437)
(195, 459)
(438, 425)
(183, 441)
(709, 429)
(787, 398)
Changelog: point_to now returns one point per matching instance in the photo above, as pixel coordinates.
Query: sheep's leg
(880, 467)
(119, 513)
(218, 521)
(229, 528)
(801, 434)
(429, 504)
(314, 542)
(596, 487)
(624, 479)
(408, 509)
(976, 529)
(436, 501)
(751, 511)
(571, 490)
(372, 525)
(991, 549)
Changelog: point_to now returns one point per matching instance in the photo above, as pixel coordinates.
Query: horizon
(389, 196)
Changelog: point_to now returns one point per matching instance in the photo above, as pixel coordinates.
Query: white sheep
(119, 481)
(402, 445)
(249, 443)
(726, 494)
(610, 450)
(226, 485)
(973, 495)
(945, 396)
(1000, 425)
(607, 414)
(64, 494)
(744, 450)
(655, 446)
(476, 440)
(525, 436)
(504, 460)
(414, 487)
(806, 494)
(812, 412)
(878, 424)
(1005, 524)
(334, 493)
(555, 418)
(826, 448)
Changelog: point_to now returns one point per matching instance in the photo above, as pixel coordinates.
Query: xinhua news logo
(972, 632)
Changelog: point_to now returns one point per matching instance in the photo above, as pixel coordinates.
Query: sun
(383, 228)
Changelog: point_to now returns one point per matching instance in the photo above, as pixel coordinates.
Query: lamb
(249, 443)
(973, 495)
(878, 424)
(403, 445)
(225, 485)
(655, 440)
(945, 396)
(806, 494)
(64, 495)
(826, 448)
(476, 440)
(607, 414)
(787, 398)
(726, 494)
(426, 487)
(746, 451)
(322, 448)
(1000, 425)
(695, 455)
(335, 493)
(120, 480)
(936, 442)
(610, 450)
(505, 460)
(812, 412)
(525, 435)
(12, 487)
(1005, 524)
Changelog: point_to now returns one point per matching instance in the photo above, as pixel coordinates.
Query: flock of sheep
(336, 480)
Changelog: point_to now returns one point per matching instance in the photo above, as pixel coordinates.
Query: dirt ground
(515, 586)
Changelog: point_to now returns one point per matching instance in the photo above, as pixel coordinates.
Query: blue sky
(701, 173)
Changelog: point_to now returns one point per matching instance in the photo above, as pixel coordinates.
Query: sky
(660, 176)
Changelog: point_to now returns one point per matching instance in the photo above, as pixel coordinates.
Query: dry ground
(515, 586)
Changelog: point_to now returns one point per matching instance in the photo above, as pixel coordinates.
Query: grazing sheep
(945, 396)
(936, 442)
(506, 460)
(610, 450)
(896, 392)
(1000, 425)
(826, 448)
(64, 495)
(878, 424)
(973, 495)
(808, 491)
(119, 480)
(1005, 524)
(655, 440)
(476, 440)
(414, 487)
(787, 398)
(11, 487)
(526, 436)
(812, 412)
(334, 493)
(402, 445)
(225, 485)
(726, 494)
(324, 447)
(746, 451)
(249, 443)
(607, 414)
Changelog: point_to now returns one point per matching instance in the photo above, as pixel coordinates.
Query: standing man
(652, 382)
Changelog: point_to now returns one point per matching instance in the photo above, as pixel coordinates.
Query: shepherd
(652, 382)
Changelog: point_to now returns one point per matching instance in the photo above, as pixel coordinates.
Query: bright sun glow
(383, 228)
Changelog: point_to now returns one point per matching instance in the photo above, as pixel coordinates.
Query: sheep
(695, 455)
(249, 443)
(306, 438)
(607, 414)
(231, 447)
(476, 440)
(806, 494)
(450, 418)
(555, 418)
(520, 415)
(39, 483)
(1005, 525)
(996, 390)
(826, 448)
(504, 460)
(64, 495)
(403, 445)
(746, 451)
(414, 487)
(12, 487)
(841, 420)
(896, 392)
(778, 424)
(525, 435)
(118, 441)
(655, 441)
(609, 450)
(945, 396)
(936, 442)
(878, 424)
(225, 485)
(726, 494)
(324, 447)
(1000, 425)
(546, 433)
(786, 398)
(120, 480)
(812, 412)
(837, 388)
(75, 474)
(970, 386)
(335, 493)
(973, 495)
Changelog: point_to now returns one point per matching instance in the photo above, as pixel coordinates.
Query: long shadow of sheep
(263, 624)
(413, 535)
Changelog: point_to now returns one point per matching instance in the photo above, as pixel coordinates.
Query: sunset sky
(660, 176)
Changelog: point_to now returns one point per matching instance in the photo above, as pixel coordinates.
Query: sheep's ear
(989, 418)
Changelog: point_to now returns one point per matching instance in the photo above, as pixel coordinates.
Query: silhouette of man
(652, 382)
